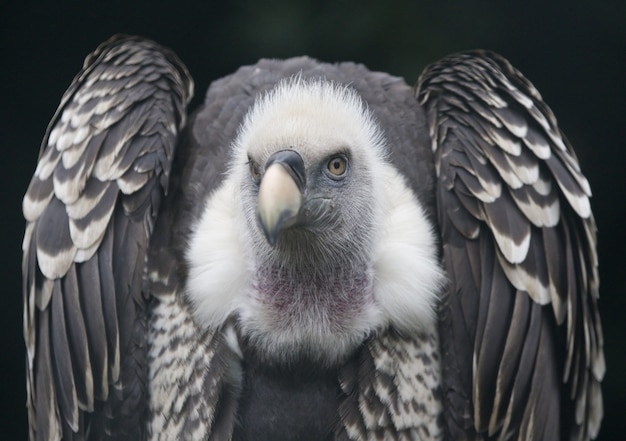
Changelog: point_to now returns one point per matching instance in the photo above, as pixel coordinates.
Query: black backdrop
(574, 52)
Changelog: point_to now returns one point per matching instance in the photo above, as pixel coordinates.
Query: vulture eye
(337, 166)
(254, 170)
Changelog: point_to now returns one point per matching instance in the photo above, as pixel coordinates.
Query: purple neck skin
(337, 297)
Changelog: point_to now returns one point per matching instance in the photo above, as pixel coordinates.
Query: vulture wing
(90, 208)
(519, 326)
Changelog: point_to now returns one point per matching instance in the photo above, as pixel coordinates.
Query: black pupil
(337, 164)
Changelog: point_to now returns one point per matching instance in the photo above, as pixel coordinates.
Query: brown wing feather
(521, 310)
(90, 207)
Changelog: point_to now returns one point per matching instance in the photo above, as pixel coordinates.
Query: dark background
(573, 51)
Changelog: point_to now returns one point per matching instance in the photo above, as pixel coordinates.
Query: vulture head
(314, 242)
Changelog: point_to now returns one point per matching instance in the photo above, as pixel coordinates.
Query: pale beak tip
(280, 194)
(271, 234)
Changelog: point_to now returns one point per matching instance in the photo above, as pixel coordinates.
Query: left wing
(520, 331)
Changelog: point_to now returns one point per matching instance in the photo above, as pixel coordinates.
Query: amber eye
(254, 170)
(338, 165)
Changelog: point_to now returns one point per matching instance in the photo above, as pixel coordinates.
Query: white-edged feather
(55, 265)
(524, 281)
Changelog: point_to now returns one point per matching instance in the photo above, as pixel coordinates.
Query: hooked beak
(280, 193)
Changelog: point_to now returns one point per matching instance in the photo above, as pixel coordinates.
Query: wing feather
(522, 372)
(77, 340)
(95, 329)
(104, 165)
(489, 353)
(509, 180)
(44, 384)
(62, 362)
(510, 361)
(109, 309)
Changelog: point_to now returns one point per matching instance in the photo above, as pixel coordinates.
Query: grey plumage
(118, 346)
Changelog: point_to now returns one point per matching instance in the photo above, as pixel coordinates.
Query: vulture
(318, 252)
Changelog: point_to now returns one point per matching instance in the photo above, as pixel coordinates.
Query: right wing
(90, 208)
